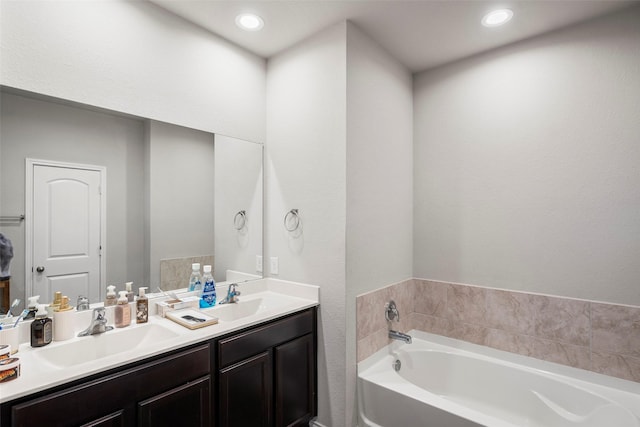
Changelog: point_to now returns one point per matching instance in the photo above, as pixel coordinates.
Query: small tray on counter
(190, 318)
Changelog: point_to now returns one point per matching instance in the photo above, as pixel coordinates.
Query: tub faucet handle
(391, 312)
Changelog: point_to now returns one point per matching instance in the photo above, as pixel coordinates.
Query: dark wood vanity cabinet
(267, 375)
(162, 392)
(262, 376)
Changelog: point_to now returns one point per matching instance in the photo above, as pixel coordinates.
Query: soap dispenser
(123, 312)
(142, 307)
(41, 328)
(130, 294)
(111, 296)
(32, 306)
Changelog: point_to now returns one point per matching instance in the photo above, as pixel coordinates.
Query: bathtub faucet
(397, 335)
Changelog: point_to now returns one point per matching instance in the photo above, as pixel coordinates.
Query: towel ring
(240, 220)
(292, 220)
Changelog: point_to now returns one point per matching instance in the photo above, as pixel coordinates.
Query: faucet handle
(391, 312)
(99, 314)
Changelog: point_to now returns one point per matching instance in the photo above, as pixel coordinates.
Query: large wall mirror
(167, 196)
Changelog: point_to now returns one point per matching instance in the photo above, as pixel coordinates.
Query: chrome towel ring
(240, 220)
(292, 220)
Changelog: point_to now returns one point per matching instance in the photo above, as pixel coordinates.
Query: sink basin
(243, 308)
(110, 343)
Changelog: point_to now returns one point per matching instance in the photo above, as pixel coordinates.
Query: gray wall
(238, 186)
(49, 131)
(527, 165)
(181, 195)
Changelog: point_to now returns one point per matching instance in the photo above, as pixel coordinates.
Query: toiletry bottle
(63, 317)
(111, 296)
(195, 283)
(57, 300)
(142, 307)
(32, 307)
(208, 298)
(123, 312)
(130, 294)
(41, 328)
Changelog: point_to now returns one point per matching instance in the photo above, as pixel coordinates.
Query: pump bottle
(123, 312)
(142, 307)
(41, 328)
(111, 296)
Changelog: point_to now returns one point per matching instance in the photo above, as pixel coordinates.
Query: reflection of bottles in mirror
(195, 283)
(208, 298)
(142, 306)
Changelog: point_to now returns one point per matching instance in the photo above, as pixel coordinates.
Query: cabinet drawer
(98, 398)
(247, 344)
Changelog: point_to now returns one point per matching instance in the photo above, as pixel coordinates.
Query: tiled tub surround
(591, 335)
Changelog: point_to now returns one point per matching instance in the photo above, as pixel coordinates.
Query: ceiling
(421, 34)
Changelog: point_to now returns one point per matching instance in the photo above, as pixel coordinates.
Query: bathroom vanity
(257, 368)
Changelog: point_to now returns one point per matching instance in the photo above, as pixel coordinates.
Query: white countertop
(37, 375)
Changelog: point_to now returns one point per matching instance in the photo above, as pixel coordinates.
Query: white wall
(379, 179)
(527, 165)
(306, 169)
(134, 57)
(49, 131)
(181, 195)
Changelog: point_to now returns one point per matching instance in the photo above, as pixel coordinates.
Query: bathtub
(442, 382)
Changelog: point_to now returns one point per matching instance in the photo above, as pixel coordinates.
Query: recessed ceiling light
(497, 17)
(249, 22)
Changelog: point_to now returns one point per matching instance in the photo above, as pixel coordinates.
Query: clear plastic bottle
(195, 282)
(208, 298)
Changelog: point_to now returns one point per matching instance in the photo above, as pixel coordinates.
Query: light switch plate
(259, 263)
(273, 267)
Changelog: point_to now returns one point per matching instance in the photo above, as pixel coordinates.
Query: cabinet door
(295, 382)
(245, 394)
(188, 405)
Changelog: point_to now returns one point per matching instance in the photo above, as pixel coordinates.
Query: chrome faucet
(98, 323)
(232, 294)
(396, 335)
(391, 313)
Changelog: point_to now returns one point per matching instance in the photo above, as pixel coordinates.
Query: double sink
(137, 336)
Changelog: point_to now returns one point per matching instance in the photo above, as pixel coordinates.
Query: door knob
(40, 269)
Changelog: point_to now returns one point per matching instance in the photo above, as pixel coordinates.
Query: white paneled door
(67, 227)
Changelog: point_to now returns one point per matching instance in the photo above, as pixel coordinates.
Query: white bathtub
(444, 382)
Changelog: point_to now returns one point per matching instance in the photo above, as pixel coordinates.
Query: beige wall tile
(513, 343)
(466, 304)
(616, 365)
(430, 297)
(510, 311)
(563, 353)
(371, 344)
(616, 329)
(562, 319)
(432, 324)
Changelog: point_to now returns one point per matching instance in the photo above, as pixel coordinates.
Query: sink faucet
(83, 303)
(98, 323)
(232, 294)
(400, 336)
